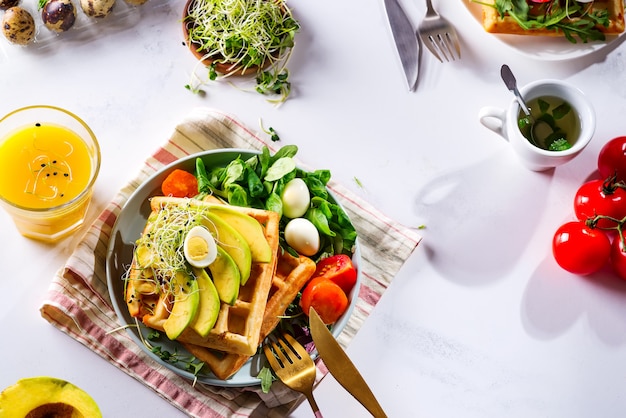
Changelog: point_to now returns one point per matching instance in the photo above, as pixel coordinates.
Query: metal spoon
(511, 84)
(539, 130)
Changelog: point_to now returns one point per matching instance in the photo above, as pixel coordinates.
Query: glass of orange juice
(49, 162)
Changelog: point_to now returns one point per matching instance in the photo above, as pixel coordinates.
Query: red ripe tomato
(326, 297)
(612, 158)
(600, 197)
(618, 258)
(338, 269)
(579, 249)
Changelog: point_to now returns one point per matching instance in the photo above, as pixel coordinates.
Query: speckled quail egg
(97, 8)
(295, 198)
(199, 247)
(18, 26)
(6, 4)
(58, 15)
(302, 236)
(136, 2)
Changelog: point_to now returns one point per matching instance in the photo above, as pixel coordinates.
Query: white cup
(505, 123)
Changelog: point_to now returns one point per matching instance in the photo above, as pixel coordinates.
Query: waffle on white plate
(494, 23)
(238, 326)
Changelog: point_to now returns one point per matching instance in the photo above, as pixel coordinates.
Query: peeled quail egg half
(296, 198)
(302, 236)
(199, 247)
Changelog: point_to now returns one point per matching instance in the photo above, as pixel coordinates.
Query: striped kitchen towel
(78, 301)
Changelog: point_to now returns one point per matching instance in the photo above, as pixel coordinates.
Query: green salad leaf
(258, 182)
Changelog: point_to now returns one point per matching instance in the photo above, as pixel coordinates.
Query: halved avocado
(41, 397)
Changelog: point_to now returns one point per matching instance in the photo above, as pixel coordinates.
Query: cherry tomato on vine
(580, 249)
(618, 258)
(612, 158)
(600, 197)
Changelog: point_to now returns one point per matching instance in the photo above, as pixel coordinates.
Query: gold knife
(341, 367)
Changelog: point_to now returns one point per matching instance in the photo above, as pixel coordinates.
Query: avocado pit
(54, 410)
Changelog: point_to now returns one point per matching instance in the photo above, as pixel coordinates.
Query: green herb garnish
(560, 144)
(267, 378)
(576, 20)
(188, 363)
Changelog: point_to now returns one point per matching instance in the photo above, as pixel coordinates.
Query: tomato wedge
(338, 269)
(326, 297)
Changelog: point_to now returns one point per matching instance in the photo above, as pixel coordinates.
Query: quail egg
(199, 247)
(295, 198)
(97, 8)
(18, 26)
(302, 236)
(136, 2)
(5, 4)
(58, 15)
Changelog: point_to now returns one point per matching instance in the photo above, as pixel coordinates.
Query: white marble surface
(480, 322)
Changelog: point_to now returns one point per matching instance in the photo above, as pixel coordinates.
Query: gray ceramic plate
(126, 231)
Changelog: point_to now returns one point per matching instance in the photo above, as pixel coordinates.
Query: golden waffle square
(493, 23)
(238, 326)
(291, 275)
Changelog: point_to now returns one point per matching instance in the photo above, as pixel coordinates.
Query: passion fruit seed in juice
(43, 166)
(556, 125)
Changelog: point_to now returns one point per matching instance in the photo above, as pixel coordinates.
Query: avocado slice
(249, 228)
(45, 396)
(209, 303)
(232, 242)
(186, 300)
(226, 276)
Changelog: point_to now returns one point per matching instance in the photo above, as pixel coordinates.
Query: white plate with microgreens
(128, 229)
(545, 48)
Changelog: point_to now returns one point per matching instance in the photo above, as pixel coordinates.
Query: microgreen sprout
(270, 131)
(240, 36)
(160, 249)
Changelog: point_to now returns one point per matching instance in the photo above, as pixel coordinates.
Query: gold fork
(293, 366)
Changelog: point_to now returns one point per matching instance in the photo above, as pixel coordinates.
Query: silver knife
(406, 40)
(341, 367)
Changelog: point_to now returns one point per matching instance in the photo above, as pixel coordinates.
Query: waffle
(493, 23)
(238, 326)
(291, 275)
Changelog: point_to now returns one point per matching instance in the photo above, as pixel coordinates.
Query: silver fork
(439, 35)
